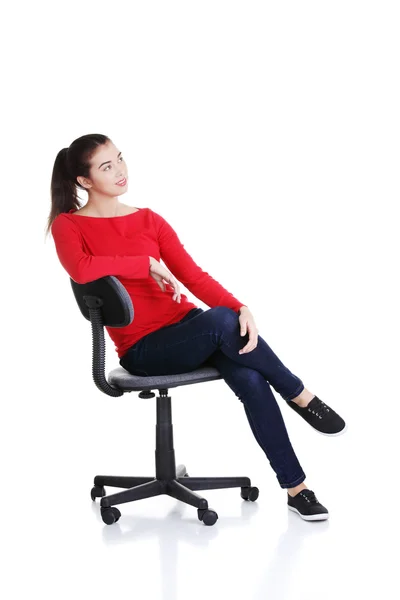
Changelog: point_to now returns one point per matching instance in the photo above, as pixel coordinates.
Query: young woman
(170, 334)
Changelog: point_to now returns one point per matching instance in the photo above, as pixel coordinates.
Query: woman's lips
(123, 182)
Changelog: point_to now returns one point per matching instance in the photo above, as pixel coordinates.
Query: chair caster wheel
(249, 493)
(181, 469)
(208, 516)
(110, 515)
(97, 492)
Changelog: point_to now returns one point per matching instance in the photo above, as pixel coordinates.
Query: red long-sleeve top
(92, 247)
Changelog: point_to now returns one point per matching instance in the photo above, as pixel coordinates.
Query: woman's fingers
(177, 290)
(170, 280)
(251, 344)
(175, 285)
(253, 341)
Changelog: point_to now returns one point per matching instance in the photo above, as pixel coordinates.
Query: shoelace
(309, 496)
(321, 411)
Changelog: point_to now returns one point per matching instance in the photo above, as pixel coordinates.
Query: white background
(267, 134)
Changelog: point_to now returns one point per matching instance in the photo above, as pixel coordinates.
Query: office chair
(105, 302)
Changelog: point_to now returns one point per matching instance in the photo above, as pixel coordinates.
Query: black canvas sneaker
(320, 416)
(307, 506)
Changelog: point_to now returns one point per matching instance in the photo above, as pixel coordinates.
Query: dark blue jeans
(212, 337)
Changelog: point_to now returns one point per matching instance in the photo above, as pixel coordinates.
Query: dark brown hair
(71, 163)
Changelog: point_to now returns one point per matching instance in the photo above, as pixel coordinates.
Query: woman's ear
(84, 182)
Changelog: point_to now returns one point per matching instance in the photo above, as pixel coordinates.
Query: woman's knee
(224, 316)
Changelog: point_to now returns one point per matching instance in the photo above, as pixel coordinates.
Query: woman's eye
(109, 165)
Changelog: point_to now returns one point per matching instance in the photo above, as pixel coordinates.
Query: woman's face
(107, 169)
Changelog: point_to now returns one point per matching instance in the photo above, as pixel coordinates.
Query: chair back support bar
(103, 301)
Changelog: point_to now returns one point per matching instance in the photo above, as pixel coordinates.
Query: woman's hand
(159, 273)
(247, 323)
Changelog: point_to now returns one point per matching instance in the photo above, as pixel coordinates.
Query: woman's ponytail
(69, 164)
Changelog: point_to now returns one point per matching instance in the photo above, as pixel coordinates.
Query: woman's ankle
(304, 398)
(293, 491)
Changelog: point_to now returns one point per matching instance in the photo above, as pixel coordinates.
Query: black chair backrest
(103, 302)
(116, 304)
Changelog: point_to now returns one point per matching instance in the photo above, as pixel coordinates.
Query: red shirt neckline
(73, 210)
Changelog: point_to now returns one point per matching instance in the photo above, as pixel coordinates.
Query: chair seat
(122, 379)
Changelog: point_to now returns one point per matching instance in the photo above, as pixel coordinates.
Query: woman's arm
(181, 264)
(82, 267)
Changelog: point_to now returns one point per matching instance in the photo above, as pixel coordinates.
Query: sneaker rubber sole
(341, 432)
(321, 517)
